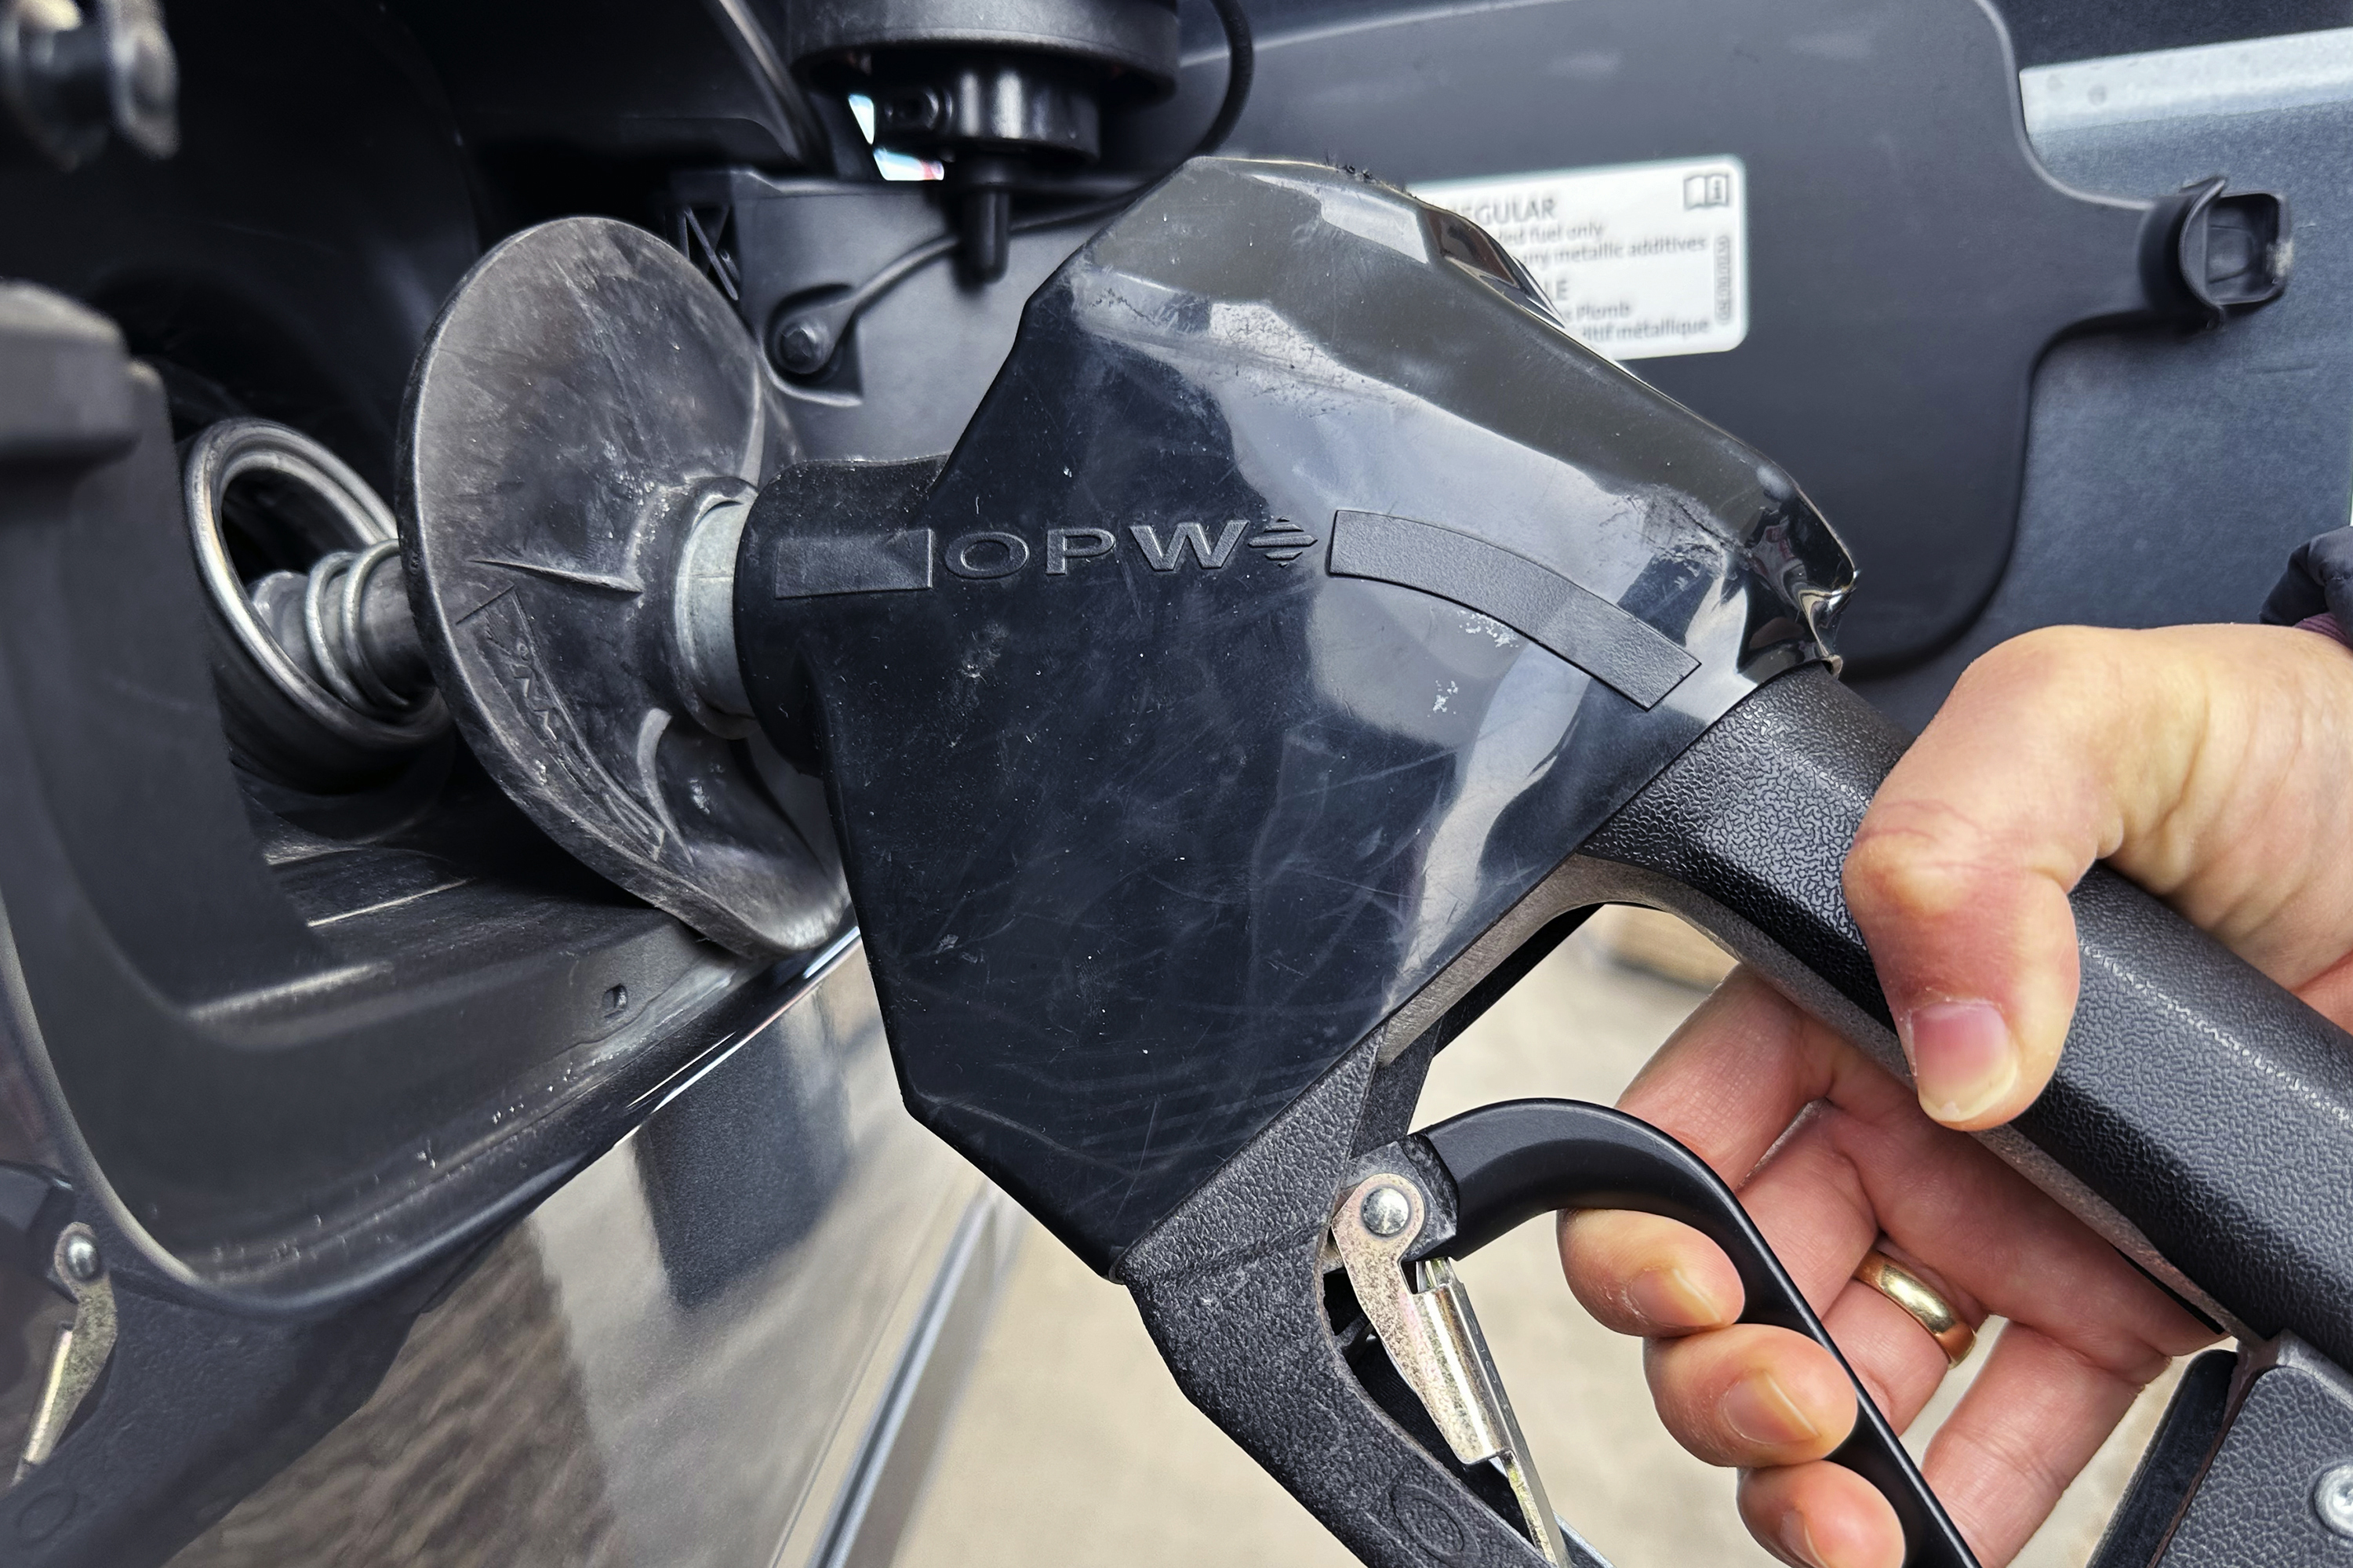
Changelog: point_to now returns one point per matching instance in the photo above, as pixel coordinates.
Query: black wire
(1241, 67)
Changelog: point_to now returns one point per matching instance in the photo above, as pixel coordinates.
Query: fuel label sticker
(1640, 260)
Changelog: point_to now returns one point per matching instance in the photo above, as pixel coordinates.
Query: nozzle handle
(2201, 1116)
(1514, 1161)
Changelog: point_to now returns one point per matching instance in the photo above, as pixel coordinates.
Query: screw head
(1384, 1210)
(802, 345)
(81, 1259)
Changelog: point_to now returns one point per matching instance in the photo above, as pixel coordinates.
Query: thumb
(2050, 751)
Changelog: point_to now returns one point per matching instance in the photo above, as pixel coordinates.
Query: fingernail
(1798, 1541)
(1760, 1409)
(1670, 1298)
(1963, 1058)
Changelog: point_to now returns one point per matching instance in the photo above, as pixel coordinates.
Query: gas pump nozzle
(1306, 633)
(1208, 736)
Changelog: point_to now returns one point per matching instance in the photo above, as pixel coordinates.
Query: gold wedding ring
(1931, 1312)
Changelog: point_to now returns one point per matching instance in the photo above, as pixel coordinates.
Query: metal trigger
(1427, 1326)
(81, 1350)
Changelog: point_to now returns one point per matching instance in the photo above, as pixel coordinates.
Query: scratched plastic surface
(1300, 595)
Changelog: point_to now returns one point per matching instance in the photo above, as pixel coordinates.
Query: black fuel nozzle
(1300, 594)
(1306, 633)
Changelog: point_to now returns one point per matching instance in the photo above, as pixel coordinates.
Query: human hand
(2206, 763)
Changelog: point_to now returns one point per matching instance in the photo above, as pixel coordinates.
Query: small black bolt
(803, 346)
